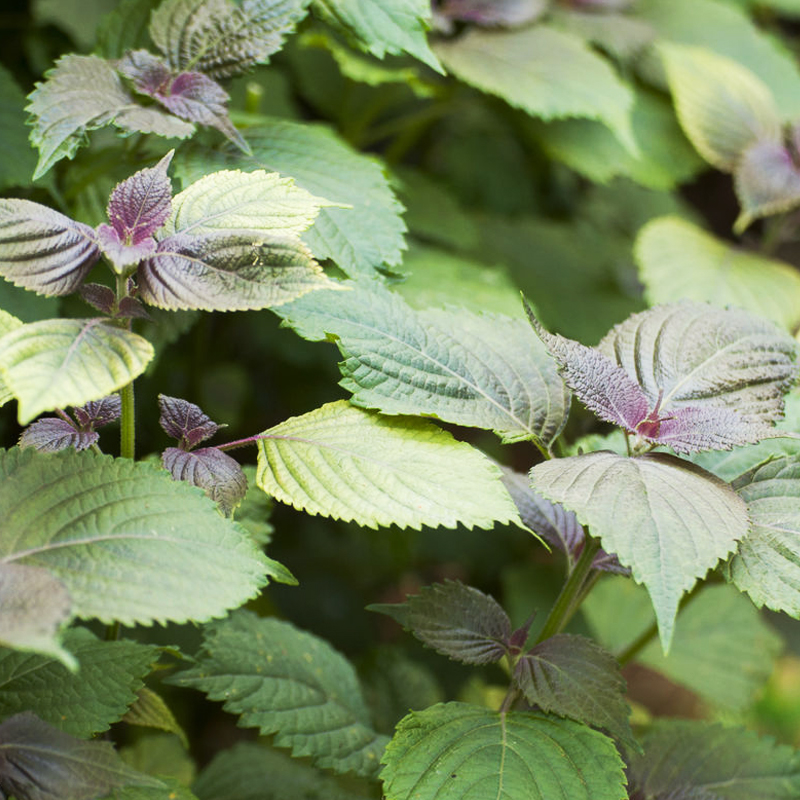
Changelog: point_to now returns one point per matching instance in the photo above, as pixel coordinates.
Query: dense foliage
(614, 455)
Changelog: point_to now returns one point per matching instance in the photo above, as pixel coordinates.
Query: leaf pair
(733, 120)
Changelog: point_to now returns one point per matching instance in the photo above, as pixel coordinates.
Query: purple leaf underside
(51, 434)
(99, 412)
(216, 473)
(100, 297)
(43, 250)
(506, 13)
(185, 421)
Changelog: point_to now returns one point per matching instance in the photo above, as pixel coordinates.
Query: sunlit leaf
(343, 462)
(67, 362)
(128, 542)
(457, 751)
(288, 683)
(663, 517)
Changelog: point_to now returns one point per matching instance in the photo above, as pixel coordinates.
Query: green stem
(127, 441)
(571, 593)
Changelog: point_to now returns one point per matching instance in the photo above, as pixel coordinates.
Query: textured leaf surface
(573, 677)
(480, 371)
(82, 703)
(456, 751)
(254, 201)
(185, 421)
(221, 38)
(39, 762)
(19, 158)
(150, 711)
(249, 771)
(767, 564)
(97, 413)
(51, 434)
(216, 473)
(666, 519)
(290, 683)
(83, 93)
(42, 250)
(67, 362)
(128, 542)
(34, 605)
(383, 26)
(730, 763)
(721, 105)
(346, 463)
(693, 355)
(457, 621)
(546, 72)
(677, 260)
(358, 239)
(228, 271)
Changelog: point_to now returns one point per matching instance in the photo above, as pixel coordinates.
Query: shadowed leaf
(51, 434)
(185, 421)
(216, 473)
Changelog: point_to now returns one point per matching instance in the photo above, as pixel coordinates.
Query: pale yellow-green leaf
(343, 462)
(8, 322)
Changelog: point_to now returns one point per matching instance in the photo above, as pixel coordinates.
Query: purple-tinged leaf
(605, 5)
(457, 621)
(131, 308)
(505, 13)
(192, 96)
(221, 38)
(140, 205)
(42, 250)
(767, 179)
(573, 677)
(216, 473)
(51, 434)
(101, 412)
(228, 271)
(40, 762)
(553, 522)
(119, 253)
(83, 93)
(100, 297)
(185, 421)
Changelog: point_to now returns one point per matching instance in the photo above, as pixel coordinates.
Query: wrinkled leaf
(457, 621)
(666, 519)
(51, 434)
(101, 412)
(216, 473)
(185, 421)
(346, 463)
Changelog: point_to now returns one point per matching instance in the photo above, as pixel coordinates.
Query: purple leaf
(40, 762)
(185, 421)
(767, 179)
(219, 475)
(120, 253)
(506, 13)
(99, 412)
(457, 621)
(42, 250)
(51, 434)
(99, 296)
(553, 522)
(573, 677)
(227, 271)
(192, 96)
(131, 308)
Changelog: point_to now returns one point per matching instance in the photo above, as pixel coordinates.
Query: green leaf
(80, 704)
(128, 542)
(288, 683)
(620, 35)
(455, 751)
(253, 201)
(728, 762)
(150, 711)
(481, 371)
(33, 606)
(663, 517)
(726, 670)
(161, 755)
(383, 26)
(767, 564)
(457, 621)
(350, 464)
(721, 105)
(362, 235)
(8, 323)
(573, 677)
(125, 28)
(38, 762)
(68, 362)
(249, 771)
(677, 261)
(546, 72)
(173, 790)
(19, 159)
(664, 159)
(83, 93)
